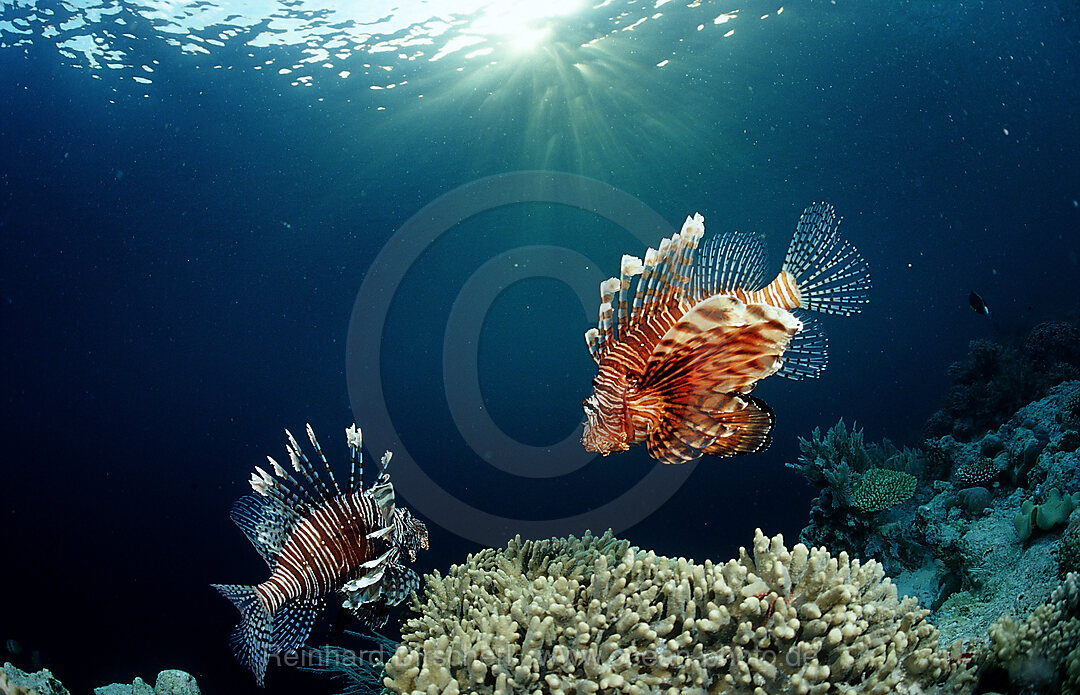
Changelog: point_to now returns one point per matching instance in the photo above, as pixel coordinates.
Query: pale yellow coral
(569, 616)
(1044, 649)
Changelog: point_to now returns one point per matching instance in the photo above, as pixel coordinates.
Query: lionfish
(318, 538)
(699, 330)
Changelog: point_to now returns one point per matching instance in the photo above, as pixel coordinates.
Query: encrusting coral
(581, 616)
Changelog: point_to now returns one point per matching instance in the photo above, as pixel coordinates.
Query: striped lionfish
(318, 538)
(699, 330)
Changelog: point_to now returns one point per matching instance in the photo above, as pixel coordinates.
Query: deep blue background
(178, 273)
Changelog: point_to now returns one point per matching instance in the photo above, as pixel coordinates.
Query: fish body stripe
(782, 292)
(323, 552)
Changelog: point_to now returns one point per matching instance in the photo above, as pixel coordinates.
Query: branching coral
(1044, 650)
(857, 481)
(835, 457)
(776, 620)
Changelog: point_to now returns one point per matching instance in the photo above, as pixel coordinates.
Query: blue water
(181, 259)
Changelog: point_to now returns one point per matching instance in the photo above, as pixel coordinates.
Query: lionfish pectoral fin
(748, 429)
(379, 533)
(383, 494)
(251, 639)
(720, 346)
(267, 523)
(719, 425)
(372, 614)
(398, 582)
(293, 623)
(375, 563)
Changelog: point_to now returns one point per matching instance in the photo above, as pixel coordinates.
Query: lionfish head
(410, 534)
(605, 418)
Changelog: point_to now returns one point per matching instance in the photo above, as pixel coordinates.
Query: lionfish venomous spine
(319, 538)
(685, 335)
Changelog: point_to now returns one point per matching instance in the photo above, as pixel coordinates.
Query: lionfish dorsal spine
(302, 465)
(608, 288)
(356, 456)
(592, 339)
(287, 494)
(629, 268)
(642, 282)
(326, 464)
(384, 466)
(284, 493)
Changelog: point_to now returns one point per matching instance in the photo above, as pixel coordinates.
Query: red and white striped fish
(318, 539)
(680, 354)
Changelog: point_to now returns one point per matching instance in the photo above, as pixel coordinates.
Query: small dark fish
(978, 305)
(320, 538)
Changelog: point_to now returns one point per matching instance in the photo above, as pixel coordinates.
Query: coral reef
(14, 681)
(994, 380)
(1042, 653)
(992, 525)
(861, 484)
(1054, 511)
(593, 614)
(169, 682)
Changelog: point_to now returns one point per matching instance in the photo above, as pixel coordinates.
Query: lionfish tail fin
(718, 425)
(251, 639)
(828, 273)
(807, 354)
(292, 624)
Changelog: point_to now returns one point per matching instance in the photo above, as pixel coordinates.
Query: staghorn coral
(881, 488)
(776, 620)
(1043, 651)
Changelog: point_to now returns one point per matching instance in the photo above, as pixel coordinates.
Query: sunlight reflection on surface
(383, 41)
